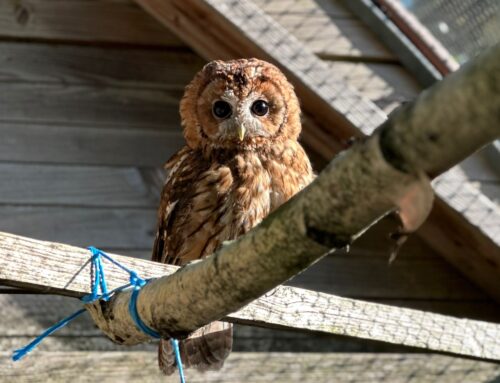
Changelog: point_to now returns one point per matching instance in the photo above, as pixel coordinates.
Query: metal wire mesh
(464, 27)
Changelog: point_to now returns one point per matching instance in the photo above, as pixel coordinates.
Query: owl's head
(239, 103)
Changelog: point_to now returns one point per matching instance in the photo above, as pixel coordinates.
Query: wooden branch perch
(63, 269)
(358, 187)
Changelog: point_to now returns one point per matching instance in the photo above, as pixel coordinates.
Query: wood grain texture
(29, 314)
(82, 21)
(282, 307)
(59, 103)
(386, 84)
(76, 186)
(87, 144)
(272, 341)
(83, 226)
(139, 366)
(364, 277)
(368, 276)
(26, 316)
(97, 66)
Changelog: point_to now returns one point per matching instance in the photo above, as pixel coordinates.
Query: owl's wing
(192, 222)
(194, 218)
(183, 169)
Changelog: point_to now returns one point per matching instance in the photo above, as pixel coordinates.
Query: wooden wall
(89, 93)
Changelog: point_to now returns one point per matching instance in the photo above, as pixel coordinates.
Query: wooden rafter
(224, 29)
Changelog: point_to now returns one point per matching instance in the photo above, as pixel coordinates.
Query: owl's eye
(260, 108)
(221, 109)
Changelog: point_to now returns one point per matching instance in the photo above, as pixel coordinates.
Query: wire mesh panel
(464, 27)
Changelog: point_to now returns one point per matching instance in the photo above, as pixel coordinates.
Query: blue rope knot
(135, 280)
(100, 291)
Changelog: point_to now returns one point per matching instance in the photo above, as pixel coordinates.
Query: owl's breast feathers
(205, 202)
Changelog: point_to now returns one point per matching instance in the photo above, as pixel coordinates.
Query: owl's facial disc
(238, 118)
(239, 104)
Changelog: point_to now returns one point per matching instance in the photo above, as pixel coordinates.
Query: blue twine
(20, 353)
(100, 291)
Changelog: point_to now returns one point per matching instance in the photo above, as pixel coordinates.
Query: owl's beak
(241, 131)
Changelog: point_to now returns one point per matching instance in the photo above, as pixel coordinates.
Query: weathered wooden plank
(462, 246)
(51, 103)
(252, 367)
(68, 273)
(28, 314)
(82, 21)
(81, 186)
(385, 84)
(101, 227)
(353, 275)
(87, 144)
(27, 317)
(97, 66)
(481, 167)
(371, 278)
(269, 341)
(470, 199)
(71, 343)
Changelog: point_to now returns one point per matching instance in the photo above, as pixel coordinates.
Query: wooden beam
(224, 29)
(113, 22)
(63, 269)
(277, 367)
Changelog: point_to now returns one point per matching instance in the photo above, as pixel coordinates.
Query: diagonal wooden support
(62, 269)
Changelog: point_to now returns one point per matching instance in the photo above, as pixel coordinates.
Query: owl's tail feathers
(206, 349)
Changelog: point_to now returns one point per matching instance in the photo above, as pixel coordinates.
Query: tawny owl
(241, 121)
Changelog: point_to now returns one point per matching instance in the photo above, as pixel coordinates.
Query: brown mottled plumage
(241, 122)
